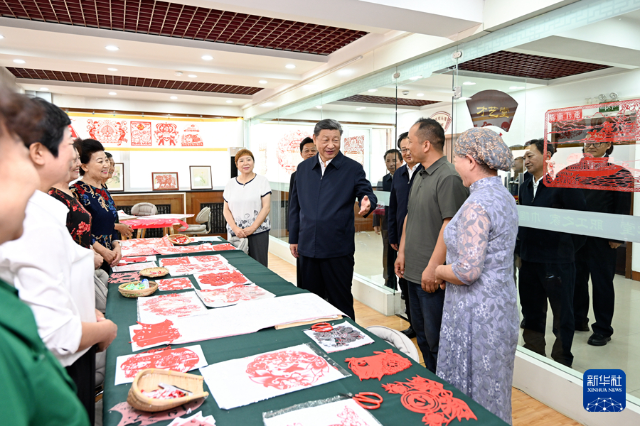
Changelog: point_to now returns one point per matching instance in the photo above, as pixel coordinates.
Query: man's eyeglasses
(404, 151)
(595, 144)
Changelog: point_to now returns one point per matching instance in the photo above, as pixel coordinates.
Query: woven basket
(153, 286)
(173, 237)
(150, 378)
(146, 272)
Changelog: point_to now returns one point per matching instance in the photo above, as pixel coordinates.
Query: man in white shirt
(53, 274)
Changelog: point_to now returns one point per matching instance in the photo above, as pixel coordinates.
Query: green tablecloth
(123, 312)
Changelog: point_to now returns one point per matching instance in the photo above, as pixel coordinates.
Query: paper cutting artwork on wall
(155, 309)
(166, 134)
(146, 335)
(609, 130)
(191, 136)
(342, 337)
(132, 416)
(289, 149)
(170, 284)
(344, 412)
(243, 381)
(233, 295)
(384, 363)
(140, 133)
(429, 397)
(176, 359)
(223, 278)
(108, 131)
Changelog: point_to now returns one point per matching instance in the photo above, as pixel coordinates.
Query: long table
(123, 312)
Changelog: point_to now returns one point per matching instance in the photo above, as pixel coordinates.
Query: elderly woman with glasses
(479, 330)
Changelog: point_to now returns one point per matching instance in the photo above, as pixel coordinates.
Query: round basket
(180, 239)
(149, 379)
(156, 272)
(153, 286)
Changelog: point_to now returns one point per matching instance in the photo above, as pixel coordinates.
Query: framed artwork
(116, 183)
(200, 177)
(164, 181)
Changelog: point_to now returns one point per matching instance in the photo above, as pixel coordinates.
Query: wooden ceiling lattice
(385, 100)
(79, 77)
(184, 21)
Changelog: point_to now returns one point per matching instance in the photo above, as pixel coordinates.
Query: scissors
(362, 399)
(322, 327)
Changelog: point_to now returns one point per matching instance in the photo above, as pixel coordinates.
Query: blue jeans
(426, 317)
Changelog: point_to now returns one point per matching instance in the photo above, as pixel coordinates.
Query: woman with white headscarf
(479, 330)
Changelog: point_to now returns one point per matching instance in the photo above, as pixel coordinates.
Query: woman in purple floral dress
(479, 330)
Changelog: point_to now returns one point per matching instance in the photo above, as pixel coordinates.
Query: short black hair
(327, 124)
(51, 126)
(429, 129)
(108, 154)
(304, 142)
(89, 147)
(539, 143)
(402, 137)
(392, 151)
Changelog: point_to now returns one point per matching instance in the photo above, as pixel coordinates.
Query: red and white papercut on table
(195, 420)
(124, 277)
(134, 267)
(224, 246)
(243, 318)
(214, 280)
(243, 381)
(215, 259)
(344, 412)
(385, 363)
(176, 359)
(233, 295)
(141, 246)
(142, 418)
(154, 309)
(198, 268)
(173, 261)
(184, 249)
(343, 336)
(138, 259)
(170, 284)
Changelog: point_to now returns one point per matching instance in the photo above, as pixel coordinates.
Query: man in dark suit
(397, 211)
(321, 217)
(393, 160)
(548, 268)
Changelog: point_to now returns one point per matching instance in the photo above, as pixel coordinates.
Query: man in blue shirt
(321, 217)
(397, 211)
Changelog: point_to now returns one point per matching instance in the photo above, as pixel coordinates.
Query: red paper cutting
(382, 364)
(140, 133)
(233, 294)
(166, 132)
(223, 278)
(429, 397)
(225, 246)
(181, 359)
(123, 277)
(349, 418)
(174, 284)
(128, 260)
(152, 334)
(132, 416)
(171, 305)
(211, 258)
(108, 131)
(287, 369)
(175, 261)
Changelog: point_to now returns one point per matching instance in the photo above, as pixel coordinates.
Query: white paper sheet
(195, 420)
(345, 412)
(343, 336)
(233, 295)
(243, 381)
(136, 259)
(220, 278)
(202, 239)
(198, 268)
(155, 309)
(134, 267)
(243, 318)
(176, 359)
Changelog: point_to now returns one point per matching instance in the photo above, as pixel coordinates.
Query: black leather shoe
(598, 339)
(582, 327)
(409, 333)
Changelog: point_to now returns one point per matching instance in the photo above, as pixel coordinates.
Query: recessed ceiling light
(345, 71)
(112, 48)
(112, 69)
(372, 90)
(360, 108)
(319, 106)
(267, 104)
(263, 82)
(420, 94)
(174, 97)
(417, 77)
(112, 93)
(192, 76)
(516, 87)
(229, 101)
(290, 66)
(44, 89)
(469, 83)
(18, 61)
(207, 57)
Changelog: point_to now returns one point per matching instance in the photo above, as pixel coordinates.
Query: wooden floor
(526, 410)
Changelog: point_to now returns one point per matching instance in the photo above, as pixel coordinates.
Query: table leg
(139, 233)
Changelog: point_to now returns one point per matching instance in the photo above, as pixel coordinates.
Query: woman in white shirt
(246, 207)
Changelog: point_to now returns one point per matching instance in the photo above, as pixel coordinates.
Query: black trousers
(388, 261)
(330, 279)
(404, 287)
(555, 282)
(83, 374)
(259, 247)
(598, 259)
